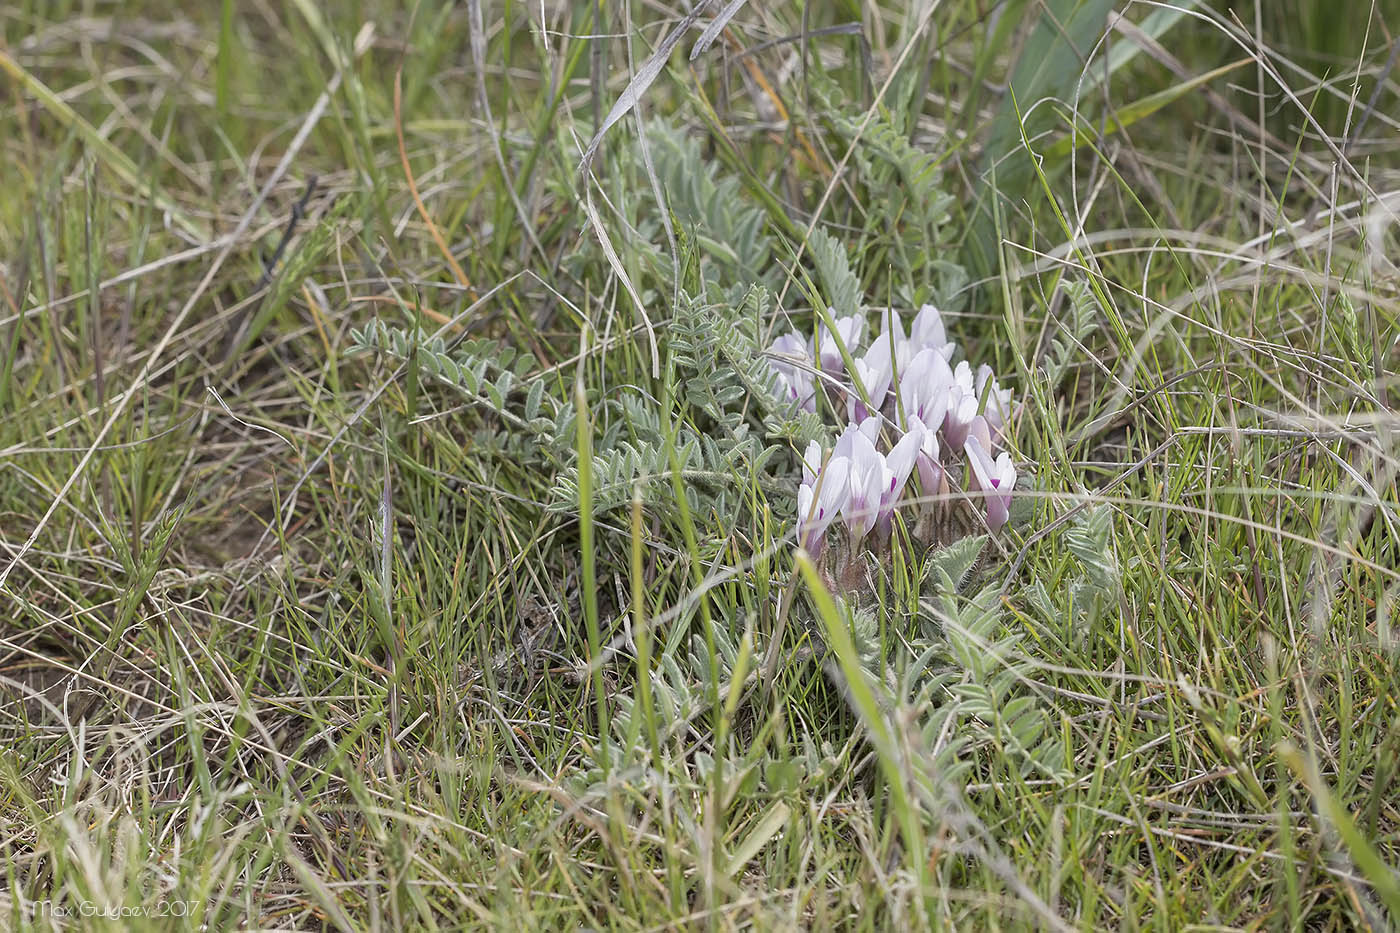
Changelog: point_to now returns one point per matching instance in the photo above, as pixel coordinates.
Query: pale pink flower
(996, 480)
(994, 402)
(873, 373)
(979, 430)
(898, 464)
(924, 388)
(851, 330)
(931, 474)
(811, 463)
(866, 476)
(821, 497)
(791, 361)
(928, 332)
(939, 409)
(962, 407)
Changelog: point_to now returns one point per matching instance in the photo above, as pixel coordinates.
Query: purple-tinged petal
(961, 410)
(788, 349)
(994, 479)
(872, 374)
(844, 442)
(835, 487)
(869, 427)
(962, 407)
(851, 330)
(811, 463)
(994, 403)
(979, 430)
(787, 355)
(805, 512)
(867, 472)
(899, 463)
(927, 329)
(924, 386)
(927, 458)
(892, 325)
(819, 502)
(931, 475)
(791, 361)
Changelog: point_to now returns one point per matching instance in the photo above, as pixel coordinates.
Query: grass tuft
(396, 506)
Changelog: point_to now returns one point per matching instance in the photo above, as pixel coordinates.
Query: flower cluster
(901, 393)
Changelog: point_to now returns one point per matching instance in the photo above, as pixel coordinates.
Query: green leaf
(757, 838)
(1123, 117)
(1159, 21)
(950, 565)
(1048, 66)
(834, 269)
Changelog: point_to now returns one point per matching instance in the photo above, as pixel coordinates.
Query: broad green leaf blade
(757, 838)
(1125, 117)
(1154, 25)
(1048, 66)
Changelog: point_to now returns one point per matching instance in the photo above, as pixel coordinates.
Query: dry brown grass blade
(774, 98)
(433, 231)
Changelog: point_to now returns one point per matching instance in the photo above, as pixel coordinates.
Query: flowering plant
(908, 409)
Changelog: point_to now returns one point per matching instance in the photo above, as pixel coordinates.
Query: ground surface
(322, 604)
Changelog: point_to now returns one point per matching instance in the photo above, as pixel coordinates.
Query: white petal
(844, 442)
(928, 329)
(1006, 474)
(835, 487)
(979, 430)
(980, 463)
(900, 459)
(962, 376)
(811, 462)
